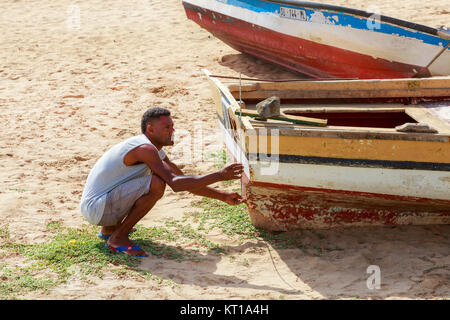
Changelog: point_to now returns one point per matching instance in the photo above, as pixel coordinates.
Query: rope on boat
(438, 55)
(275, 267)
(240, 117)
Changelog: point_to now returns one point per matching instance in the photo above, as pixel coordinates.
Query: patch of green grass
(234, 221)
(231, 220)
(53, 262)
(54, 226)
(18, 280)
(66, 249)
(20, 190)
(4, 233)
(78, 252)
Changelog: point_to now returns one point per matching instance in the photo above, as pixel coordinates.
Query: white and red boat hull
(343, 174)
(319, 46)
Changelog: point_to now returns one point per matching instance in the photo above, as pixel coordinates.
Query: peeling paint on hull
(282, 208)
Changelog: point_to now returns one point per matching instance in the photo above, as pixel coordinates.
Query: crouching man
(128, 180)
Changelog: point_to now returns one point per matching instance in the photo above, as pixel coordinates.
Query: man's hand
(233, 198)
(232, 171)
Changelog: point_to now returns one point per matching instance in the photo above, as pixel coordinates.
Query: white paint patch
(318, 17)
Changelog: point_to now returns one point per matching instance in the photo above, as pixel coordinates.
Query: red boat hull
(300, 55)
(282, 208)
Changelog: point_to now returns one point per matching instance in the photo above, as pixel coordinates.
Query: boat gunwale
(361, 13)
(365, 14)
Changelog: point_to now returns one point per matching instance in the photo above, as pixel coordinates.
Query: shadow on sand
(252, 67)
(413, 263)
(192, 267)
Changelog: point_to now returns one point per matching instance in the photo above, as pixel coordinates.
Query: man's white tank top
(109, 172)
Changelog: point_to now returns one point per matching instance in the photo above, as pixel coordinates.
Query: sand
(70, 89)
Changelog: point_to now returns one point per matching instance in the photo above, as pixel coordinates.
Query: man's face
(161, 130)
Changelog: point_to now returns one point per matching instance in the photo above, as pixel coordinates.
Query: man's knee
(157, 187)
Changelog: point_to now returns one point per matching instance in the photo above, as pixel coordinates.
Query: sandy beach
(75, 79)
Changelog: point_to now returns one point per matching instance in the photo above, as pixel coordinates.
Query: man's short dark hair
(152, 114)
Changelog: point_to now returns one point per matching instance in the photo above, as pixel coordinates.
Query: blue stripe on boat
(344, 19)
(366, 163)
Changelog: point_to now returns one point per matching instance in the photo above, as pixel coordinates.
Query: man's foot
(134, 251)
(118, 244)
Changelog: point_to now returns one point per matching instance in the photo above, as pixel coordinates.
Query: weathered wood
(347, 94)
(416, 127)
(372, 84)
(293, 129)
(342, 107)
(421, 114)
(288, 118)
(384, 88)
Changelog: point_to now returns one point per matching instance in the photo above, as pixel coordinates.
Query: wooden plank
(343, 106)
(369, 84)
(282, 117)
(292, 129)
(421, 114)
(357, 147)
(372, 88)
(338, 107)
(347, 94)
(247, 87)
(325, 110)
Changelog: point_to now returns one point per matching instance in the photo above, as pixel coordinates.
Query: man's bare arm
(149, 155)
(206, 191)
(173, 166)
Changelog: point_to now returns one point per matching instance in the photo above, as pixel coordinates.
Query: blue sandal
(126, 249)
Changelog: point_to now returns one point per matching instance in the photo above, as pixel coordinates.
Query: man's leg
(108, 230)
(140, 208)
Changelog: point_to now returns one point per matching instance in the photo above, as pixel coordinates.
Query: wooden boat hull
(324, 208)
(329, 42)
(310, 177)
(300, 199)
